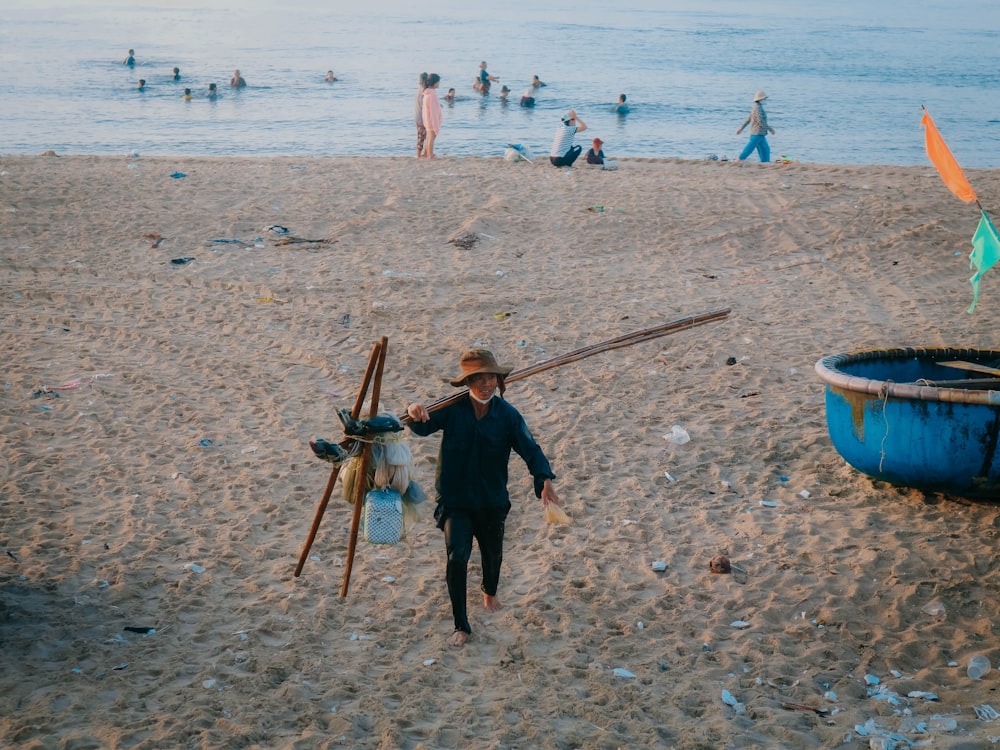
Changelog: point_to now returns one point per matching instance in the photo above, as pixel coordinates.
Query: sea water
(845, 80)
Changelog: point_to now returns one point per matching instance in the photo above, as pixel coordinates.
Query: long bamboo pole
(627, 339)
(361, 482)
(335, 472)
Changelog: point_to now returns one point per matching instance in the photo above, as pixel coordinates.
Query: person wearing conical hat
(479, 433)
(757, 120)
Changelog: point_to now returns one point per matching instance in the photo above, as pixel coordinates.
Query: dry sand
(199, 386)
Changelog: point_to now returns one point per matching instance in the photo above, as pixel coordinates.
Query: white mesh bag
(383, 516)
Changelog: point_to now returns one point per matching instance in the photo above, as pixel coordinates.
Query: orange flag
(939, 153)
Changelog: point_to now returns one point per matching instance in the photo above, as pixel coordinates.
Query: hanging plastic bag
(555, 514)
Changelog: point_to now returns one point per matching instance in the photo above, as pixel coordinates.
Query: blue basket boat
(918, 417)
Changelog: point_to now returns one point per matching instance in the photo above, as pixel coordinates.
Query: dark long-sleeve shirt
(474, 455)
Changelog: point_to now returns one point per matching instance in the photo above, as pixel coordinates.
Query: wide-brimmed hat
(568, 116)
(477, 361)
(759, 96)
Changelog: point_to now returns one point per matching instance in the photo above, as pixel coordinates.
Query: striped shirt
(563, 140)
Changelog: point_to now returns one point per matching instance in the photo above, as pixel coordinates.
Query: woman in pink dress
(432, 113)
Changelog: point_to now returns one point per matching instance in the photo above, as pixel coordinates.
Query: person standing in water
(485, 79)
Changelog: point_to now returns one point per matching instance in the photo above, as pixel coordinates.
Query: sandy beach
(155, 471)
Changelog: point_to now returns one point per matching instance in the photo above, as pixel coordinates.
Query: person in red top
(595, 155)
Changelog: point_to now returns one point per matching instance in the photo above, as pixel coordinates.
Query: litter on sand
(677, 435)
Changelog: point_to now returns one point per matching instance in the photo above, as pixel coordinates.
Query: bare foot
(492, 603)
(458, 638)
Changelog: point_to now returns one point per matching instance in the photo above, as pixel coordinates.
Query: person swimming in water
(237, 81)
(187, 95)
(129, 58)
(330, 77)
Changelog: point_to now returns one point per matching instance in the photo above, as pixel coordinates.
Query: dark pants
(567, 159)
(460, 527)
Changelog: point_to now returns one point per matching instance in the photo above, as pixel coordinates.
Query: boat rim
(827, 370)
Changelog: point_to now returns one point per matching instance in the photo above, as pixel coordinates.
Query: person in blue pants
(759, 129)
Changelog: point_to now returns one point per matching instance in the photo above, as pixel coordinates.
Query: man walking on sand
(472, 498)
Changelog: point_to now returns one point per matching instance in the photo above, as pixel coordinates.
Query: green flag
(985, 254)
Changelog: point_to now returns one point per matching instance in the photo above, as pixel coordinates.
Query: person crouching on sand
(472, 497)
(564, 153)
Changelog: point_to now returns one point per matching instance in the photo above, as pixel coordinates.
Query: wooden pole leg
(373, 359)
(361, 483)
